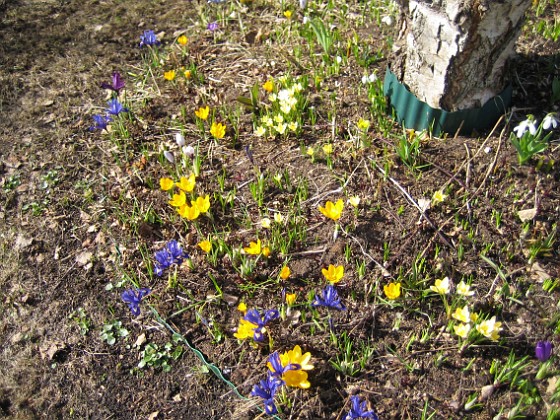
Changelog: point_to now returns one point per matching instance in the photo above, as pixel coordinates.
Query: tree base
(416, 114)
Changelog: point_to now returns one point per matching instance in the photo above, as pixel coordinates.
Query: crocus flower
(254, 317)
(172, 253)
(115, 107)
(148, 38)
(100, 122)
(169, 75)
(182, 40)
(359, 410)
(329, 299)
(218, 130)
(202, 112)
(206, 246)
(202, 203)
(285, 272)
(438, 197)
(179, 139)
(392, 290)
(441, 286)
(543, 350)
(490, 328)
(187, 184)
(462, 330)
(268, 86)
(277, 367)
(464, 289)
(334, 273)
(133, 297)
(266, 389)
(189, 212)
(332, 210)
(212, 26)
(462, 314)
(117, 83)
(166, 184)
(254, 248)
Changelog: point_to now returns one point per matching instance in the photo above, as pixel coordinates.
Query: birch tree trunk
(453, 52)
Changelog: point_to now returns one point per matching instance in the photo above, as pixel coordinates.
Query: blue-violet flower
(115, 107)
(117, 83)
(148, 38)
(172, 253)
(254, 317)
(133, 297)
(543, 350)
(359, 410)
(100, 122)
(329, 299)
(266, 389)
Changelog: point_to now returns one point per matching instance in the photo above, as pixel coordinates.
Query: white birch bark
(453, 52)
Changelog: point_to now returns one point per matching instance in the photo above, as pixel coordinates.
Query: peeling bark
(453, 52)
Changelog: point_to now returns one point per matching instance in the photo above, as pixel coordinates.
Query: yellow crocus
(332, 210)
(462, 330)
(218, 130)
(462, 314)
(166, 184)
(290, 298)
(202, 203)
(242, 307)
(254, 248)
(285, 272)
(268, 86)
(202, 112)
(169, 75)
(188, 212)
(245, 329)
(392, 290)
(182, 40)
(206, 246)
(334, 273)
(441, 286)
(178, 200)
(187, 184)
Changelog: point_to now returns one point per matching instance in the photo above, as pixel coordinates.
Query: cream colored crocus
(439, 197)
(278, 218)
(462, 314)
(490, 328)
(462, 330)
(464, 289)
(265, 223)
(354, 201)
(441, 286)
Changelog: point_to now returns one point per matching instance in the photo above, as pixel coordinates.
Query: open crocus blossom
(490, 328)
(100, 122)
(290, 367)
(148, 39)
(441, 286)
(392, 290)
(114, 107)
(332, 210)
(254, 248)
(133, 297)
(543, 350)
(334, 273)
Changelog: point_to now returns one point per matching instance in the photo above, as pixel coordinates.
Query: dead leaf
(153, 416)
(526, 215)
(84, 258)
(23, 242)
(538, 273)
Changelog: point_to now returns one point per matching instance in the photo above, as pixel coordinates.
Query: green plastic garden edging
(414, 113)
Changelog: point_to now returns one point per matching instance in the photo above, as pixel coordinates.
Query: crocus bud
(543, 350)
(169, 156)
(188, 151)
(180, 139)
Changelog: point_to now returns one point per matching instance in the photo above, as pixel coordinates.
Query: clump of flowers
(253, 324)
(288, 368)
(170, 254)
(284, 112)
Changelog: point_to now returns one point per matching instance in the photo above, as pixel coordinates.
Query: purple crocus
(359, 410)
(329, 299)
(100, 122)
(115, 107)
(254, 317)
(148, 39)
(117, 83)
(172, 253)
(133, 297)
(212, 26)
(266, 389)
(543, 350)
